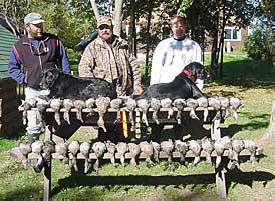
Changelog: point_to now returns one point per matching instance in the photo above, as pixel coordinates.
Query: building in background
(7, 39)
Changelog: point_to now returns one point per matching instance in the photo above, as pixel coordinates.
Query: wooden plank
(56, 139)
(110, 116)
(9, 123)
(7, 87)
(215, 130)
(163, 155)
(9, 118)
(220, 173)
(7, 97)
(3, 62)
(6, 81)
(137, 125)
(11, 106)
(4, 74)
(87, 110)
(221, 184)
(8, 129)
(7, 44)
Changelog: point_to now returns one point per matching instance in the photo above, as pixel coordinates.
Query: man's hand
(138, 89)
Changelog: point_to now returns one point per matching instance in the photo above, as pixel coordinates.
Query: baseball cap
(105, 20)
(33, 18)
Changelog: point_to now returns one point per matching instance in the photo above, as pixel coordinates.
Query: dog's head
(195, 71)
(48, 78)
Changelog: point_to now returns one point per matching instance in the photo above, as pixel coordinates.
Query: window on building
(227, 33)
(232, 34)
(235, 34)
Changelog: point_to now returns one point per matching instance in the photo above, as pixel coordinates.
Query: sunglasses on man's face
(104, 26)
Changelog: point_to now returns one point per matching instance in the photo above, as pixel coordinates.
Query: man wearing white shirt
(173, 54)
(170, 57)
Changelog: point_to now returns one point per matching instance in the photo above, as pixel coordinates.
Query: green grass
(6, 144)
(252, 81)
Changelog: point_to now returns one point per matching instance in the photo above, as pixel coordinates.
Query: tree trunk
(214, 62)
(118, 17)
(94, 6)
(222, 42)
(270, 133)
(0, 108)
(148, 43)
(214, 49)
(273, 51)
(221, 64)
(272, 40)
(16, 33)
(132, 30)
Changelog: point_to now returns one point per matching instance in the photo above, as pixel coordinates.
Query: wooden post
(47, 169)
(270, 133)
(0, 115)
(138, 125)
(215, 130)
(1, 107)
(220, 172)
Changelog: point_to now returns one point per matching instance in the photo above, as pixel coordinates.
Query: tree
(267, 8)
(210, 18)
(266, 12)
(70, 20)
(257, 44)
(116, 14)
(14, 12)
(117, 17)
(132, 27)
(95, 9)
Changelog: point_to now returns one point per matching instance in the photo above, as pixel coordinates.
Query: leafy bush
(256, 44)
(145, 80)
(73, 55)
(240, 49)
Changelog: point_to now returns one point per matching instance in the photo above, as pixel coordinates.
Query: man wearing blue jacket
(32, 55)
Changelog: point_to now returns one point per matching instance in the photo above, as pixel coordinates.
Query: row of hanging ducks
(151, 151)
(223, 105)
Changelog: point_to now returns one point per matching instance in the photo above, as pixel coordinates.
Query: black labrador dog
(183, 86)
(66, 86)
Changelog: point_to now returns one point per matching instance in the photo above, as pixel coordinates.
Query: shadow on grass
(22, 194)
(34, 193)
(247, 178)
(235, 128)
(247, 74)
(257, 122)
(109, 181)
(200, 180)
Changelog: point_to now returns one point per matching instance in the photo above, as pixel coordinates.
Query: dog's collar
(187, 73)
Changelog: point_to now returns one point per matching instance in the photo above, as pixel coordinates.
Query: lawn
(252, 81)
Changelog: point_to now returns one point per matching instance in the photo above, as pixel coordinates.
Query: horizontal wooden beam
(87, 110)
(162, 154)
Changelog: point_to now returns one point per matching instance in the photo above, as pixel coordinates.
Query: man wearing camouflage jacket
(108, 57)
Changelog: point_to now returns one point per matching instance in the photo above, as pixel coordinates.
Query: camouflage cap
(105, 20)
